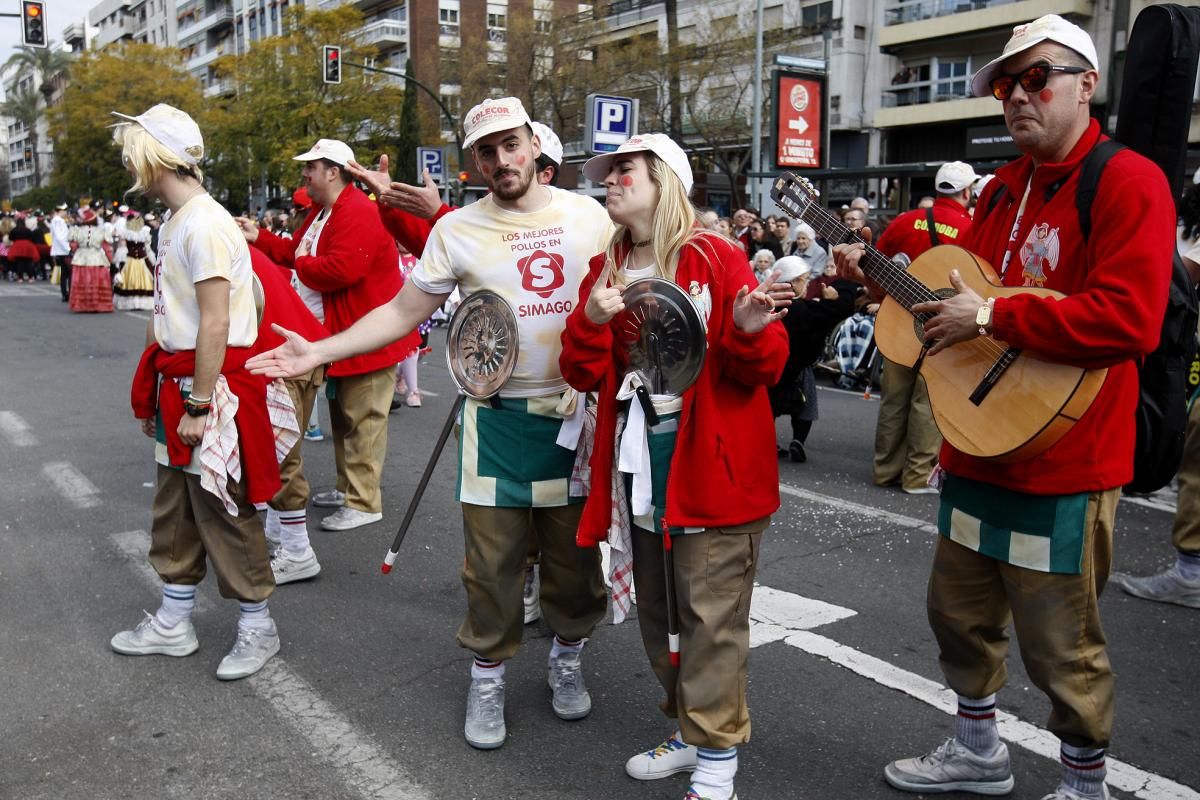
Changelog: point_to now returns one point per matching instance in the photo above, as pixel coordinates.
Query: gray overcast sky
(59, 14)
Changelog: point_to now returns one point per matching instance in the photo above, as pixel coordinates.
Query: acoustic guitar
(989, 400)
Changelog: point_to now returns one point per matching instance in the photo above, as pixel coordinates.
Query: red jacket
(1117, 284)
(909, 232)
(409, 230)
(356, 270)
(283, 306)
(724, 470)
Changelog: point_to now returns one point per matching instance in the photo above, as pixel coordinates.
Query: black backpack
(1163, 375)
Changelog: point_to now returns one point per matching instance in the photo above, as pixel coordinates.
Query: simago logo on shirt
(542, 274)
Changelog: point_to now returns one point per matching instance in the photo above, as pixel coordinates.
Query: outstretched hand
(755, 310)
(605, 301)
(248, 227)
(294, 357)
(421, 201)
(377, 180)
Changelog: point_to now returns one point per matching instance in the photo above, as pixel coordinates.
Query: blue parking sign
(610, 121)
(430, 158)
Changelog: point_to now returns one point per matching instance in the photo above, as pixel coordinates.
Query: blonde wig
(148, 158)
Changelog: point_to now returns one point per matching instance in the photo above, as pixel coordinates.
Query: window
(448, 21)
(953, 78)
(815, 15)
(453, 104)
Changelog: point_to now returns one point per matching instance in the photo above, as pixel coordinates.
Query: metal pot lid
(660, 336)
(481, 347)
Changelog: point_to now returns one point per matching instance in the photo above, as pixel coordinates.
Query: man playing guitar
(1029, 541)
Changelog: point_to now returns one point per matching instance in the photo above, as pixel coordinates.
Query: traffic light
(463, 176)
(332, 63)
(33, 23)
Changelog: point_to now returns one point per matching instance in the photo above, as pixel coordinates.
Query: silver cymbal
(481, 347)
(660, 336)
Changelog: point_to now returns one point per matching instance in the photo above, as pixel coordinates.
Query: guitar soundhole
(918, 325)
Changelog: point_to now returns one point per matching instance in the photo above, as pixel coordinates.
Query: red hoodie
(1117, 282)
(724, 471)
(356, 269)
(408, 229)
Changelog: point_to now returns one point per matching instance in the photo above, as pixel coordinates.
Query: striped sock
(975, 724)
(714, 773)
(293, 531)
(254, 615)
(486, 668)
(177, 604)
(1083, 769)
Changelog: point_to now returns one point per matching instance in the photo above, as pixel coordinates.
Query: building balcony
(912, 21)
(947, 110)
(219, 88)
(204, 59)
(385, 33)
(210, 20)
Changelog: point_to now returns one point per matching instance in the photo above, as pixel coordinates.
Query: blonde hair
(672, 228)
(134, 224)
(148, 157)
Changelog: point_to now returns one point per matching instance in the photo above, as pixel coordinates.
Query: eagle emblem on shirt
(1039, 254)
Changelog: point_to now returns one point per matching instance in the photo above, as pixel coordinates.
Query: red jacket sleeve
(276, 248)
(1118, 314)
(753, 359)
(347, 249)
(408, 229)
(587, 347)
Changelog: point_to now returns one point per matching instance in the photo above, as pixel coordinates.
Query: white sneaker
(952, 767)
(413, 400)
(331, 499)
(1168, 586)
(1064, 792)
(564, 675)
(666, 759)
(532, 594)
(484, 727)
(346, 518)
(252, 650)
(694, 794)
(150, 637)
(919, 490)
(291, 567)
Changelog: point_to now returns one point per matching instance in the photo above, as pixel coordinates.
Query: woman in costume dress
(91, 284)
(134, 286)
(704, 474)
(23, 254)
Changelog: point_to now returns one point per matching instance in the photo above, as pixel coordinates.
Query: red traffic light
(33, 23)
(332, 66)
(33, 11)
(462, 176)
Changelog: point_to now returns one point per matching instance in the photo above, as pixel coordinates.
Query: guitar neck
(879, 269)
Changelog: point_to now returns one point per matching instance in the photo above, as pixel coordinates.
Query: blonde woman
(708, 462)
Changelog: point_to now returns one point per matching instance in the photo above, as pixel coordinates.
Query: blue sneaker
(313, 434)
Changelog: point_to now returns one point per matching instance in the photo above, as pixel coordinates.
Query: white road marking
(16, 430)
(776, 615)
(366, 768)
(857, 508)
(72, 484)
(1153, 501)
(136, 314)
(28, 290)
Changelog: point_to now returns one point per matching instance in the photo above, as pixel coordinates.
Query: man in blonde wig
(214, 441)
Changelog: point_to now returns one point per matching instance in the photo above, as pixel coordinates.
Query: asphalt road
(366, 697)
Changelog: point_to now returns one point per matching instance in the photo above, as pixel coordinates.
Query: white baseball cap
(490, 116)
(597, 167)
(551, 147)
(953, 177)
(791, 267)
(330, 149)
(1050, 28)
(173, 129)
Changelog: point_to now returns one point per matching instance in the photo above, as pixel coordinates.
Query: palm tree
(25, 106)
(40, 63)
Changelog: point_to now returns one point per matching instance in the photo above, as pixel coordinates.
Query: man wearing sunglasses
(1029, 543)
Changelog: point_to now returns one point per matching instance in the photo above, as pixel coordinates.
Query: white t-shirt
(200, 242)
(535, 261)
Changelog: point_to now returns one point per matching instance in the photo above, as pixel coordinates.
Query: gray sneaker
(953, 768)
(150, 637)
(290, 567)
(565, 677)
(484, 728)
(1064, 792)
(331, 499)
(347, 518)
(1168, 586)
(532, 595)
(252, 650)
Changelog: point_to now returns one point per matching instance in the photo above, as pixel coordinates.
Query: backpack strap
(1089, 181)
(933, 237)
(994, 200)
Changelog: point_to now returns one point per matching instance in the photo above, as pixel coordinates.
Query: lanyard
(1016, 230)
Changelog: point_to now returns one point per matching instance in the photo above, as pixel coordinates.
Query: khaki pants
(359, 413)
(293, 495)
(573, 596)
(972, 599)
(714, 578)
(191, 522)
(1186, 535)
(906, 439)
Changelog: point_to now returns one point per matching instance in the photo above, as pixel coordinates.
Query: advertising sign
(799, 108)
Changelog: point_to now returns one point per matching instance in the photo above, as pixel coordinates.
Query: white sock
(177, 604)
(408, 371)
(293, 531)
(560, 646)
(486, 668)
(714, 773)
(271, 525)
(255, 616)
(314, 419)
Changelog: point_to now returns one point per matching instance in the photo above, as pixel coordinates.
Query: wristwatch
(196, 411)
(983, 317)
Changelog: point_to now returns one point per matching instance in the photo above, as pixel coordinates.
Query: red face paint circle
(521, 161)
(627, 180)
(1045, 95)
(485, 170)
